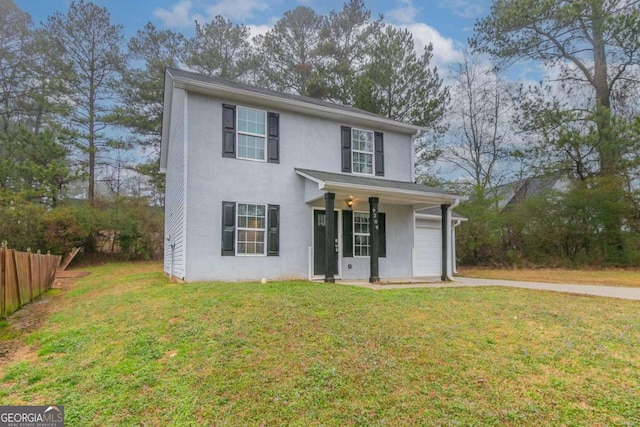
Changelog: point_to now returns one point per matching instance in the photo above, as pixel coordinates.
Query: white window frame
(263, 230)
(255, 135)
(368, 234)
(372, 152)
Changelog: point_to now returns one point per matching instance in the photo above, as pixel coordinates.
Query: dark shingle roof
(177, 73)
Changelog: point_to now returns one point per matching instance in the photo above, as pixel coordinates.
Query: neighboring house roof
(242, 92)
(396, 191)
(516, 192)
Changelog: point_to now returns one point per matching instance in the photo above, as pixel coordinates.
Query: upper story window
(362, 151)
(250, 134)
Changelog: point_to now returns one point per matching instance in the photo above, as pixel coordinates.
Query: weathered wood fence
(23, 277)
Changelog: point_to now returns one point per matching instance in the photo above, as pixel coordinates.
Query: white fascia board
(429, 216)
(407, 196)
(296, 105)
(166, 121)
(311, 178)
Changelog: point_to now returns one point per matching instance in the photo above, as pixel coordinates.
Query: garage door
(427, 256)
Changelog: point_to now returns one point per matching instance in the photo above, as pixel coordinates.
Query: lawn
(126, 347)
(607, 277)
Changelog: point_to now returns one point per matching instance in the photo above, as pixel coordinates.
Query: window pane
(363, 163)
(361, 234)
(362, 140)
(251, 242)
(251, 228)
(360, 222)
(361, 245)
(250, 147)
(251, 121)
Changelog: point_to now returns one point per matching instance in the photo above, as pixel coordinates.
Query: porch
(363, 224)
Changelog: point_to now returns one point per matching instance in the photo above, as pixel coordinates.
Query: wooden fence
(23, 277)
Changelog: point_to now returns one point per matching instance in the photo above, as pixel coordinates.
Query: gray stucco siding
(213, 179)
(306, 142)
(399, 235)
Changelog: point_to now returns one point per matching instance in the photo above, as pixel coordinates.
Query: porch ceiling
(388, 191)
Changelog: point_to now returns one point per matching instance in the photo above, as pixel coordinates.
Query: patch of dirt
(61, 275)
(31, 317)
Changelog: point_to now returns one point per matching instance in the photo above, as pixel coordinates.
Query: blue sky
(445, 23)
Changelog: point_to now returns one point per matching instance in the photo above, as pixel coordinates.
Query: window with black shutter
(273, 141)
(379, 153)
(250, 229)
(228, 130)
(363, 231)
(345, 135)
(273, 230)
(250, 134)
(228, 228)
(362, 151)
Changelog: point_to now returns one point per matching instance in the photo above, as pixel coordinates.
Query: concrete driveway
(602, 291)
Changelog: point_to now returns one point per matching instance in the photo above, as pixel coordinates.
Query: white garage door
(427, 251)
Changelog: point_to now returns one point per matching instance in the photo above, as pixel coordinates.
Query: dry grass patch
(131, 348)
(606, 277)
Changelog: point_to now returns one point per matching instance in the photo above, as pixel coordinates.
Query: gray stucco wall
(397, 263)
(305, 142)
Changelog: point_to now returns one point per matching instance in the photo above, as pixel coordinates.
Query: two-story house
(261, 184)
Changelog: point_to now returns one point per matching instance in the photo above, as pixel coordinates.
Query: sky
(445, 23)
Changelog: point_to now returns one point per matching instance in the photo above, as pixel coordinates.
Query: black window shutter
(273, 230)
(273, 138)
(347, 234)
(228, 130)
(345, 133)
(228, 228)
(382, 234)
(379, 153)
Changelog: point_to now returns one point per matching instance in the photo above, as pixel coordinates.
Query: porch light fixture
(350, 202)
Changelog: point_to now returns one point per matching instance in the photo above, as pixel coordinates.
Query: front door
(319, 232)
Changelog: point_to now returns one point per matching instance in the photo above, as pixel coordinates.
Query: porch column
(374, 240)
(329, 242)
(445, 225)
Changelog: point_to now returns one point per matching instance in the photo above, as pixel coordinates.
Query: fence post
(3, 251)
(15, 273)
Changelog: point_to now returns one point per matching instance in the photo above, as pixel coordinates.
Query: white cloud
(405, 13)
(259, 30)
(178, 16)
(236, 10)
(183, 13)
(445, 51)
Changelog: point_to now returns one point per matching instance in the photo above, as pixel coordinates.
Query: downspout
(449, 243)
(414, 154)
(454, 264)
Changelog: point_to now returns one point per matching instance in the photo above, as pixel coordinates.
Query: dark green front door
(319, 233)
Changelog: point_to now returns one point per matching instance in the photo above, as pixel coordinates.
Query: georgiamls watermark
(31, 416)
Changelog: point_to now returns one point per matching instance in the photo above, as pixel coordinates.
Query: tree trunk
(610, 155)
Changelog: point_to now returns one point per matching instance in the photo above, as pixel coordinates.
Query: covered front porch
(358, 220)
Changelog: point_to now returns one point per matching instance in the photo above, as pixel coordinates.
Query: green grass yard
(126, 347)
